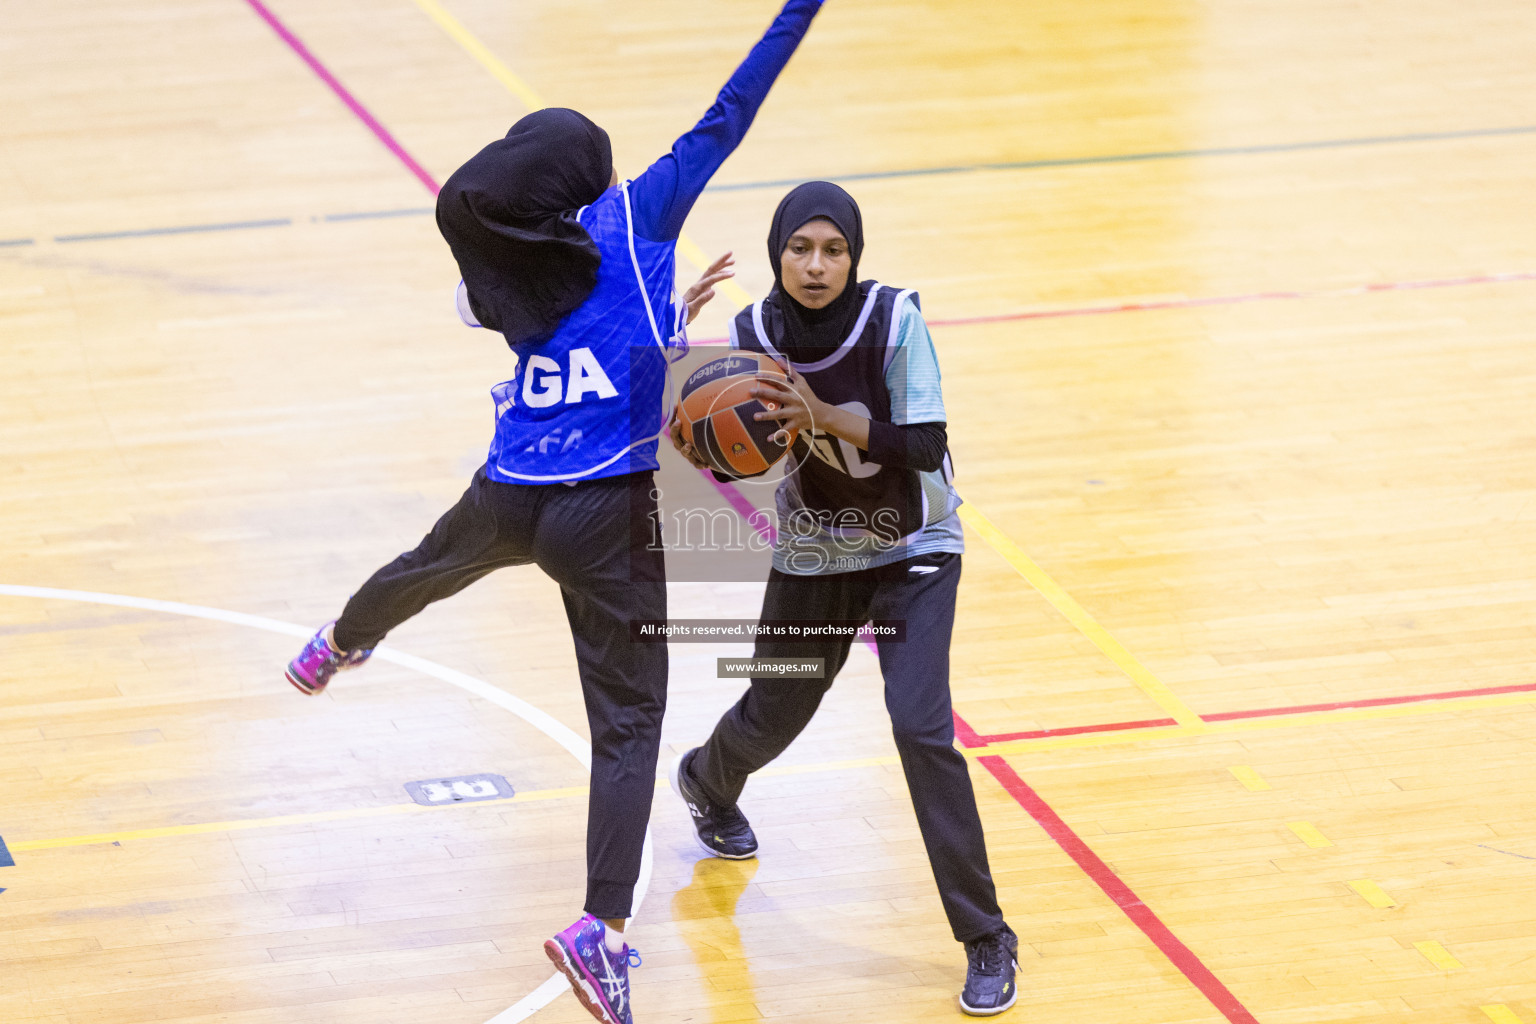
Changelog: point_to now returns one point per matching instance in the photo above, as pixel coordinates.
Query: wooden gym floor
(1234, 305)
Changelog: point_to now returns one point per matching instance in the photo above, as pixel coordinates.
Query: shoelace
(730, 821)
(988, 955)
(633, 956)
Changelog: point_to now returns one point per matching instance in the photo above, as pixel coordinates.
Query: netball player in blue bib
(576, 270)
(867, 530)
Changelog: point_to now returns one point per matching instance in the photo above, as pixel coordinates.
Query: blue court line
(6, 860)
(916, 172)
(414, 211)
(184, 229)
(239, 225)
(1126, 158)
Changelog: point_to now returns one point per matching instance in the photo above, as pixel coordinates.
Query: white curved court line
(578, 748)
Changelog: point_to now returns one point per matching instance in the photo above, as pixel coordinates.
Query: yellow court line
(695, 255)
(1372, 894)
(514, 84)
(1308, 833)
(278, 821)
(1501, 1014)
(1438, 955)
(352, 813)
(1005, 749)
(1085, 623)
(488, 60)
(1063, 602)
(1251, 780)
(1008, 748)
(690, 251)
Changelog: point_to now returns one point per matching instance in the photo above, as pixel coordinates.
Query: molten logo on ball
(718, 414)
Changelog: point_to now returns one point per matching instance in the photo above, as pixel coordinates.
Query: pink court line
(744, 508)
(967, 736)
(1179, 954)
(298, 47)
(393, 145)
(1217, 300)
(1237, 300)
(739, 502)
(1074, 730)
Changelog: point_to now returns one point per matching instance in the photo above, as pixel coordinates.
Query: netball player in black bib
(867, 530)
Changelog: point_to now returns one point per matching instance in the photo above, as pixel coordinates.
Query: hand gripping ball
(716, 411)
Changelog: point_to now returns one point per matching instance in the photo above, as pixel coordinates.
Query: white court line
(579, 748)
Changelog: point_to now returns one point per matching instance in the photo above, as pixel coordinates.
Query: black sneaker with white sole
(720, 831)
(989, 982)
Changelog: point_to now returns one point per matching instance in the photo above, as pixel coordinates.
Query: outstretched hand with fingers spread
(702, 290)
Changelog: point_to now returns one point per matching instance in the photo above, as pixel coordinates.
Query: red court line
(1180, 955)
(967, 736)
(986, 739)
(1177, 953)
(1369, 702)
(346, 97)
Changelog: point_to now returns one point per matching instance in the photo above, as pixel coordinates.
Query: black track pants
(594, 539)
(773, 711)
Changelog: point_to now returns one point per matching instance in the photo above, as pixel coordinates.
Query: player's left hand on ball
(797, 403)
(701, 291)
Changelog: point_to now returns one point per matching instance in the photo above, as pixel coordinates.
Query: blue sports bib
(592, 399)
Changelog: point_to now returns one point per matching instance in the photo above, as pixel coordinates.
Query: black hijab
(804, 334)
(509, 215)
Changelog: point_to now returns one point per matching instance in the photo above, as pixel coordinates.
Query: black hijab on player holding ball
(803, 333)
(509, 216)
(806, 334)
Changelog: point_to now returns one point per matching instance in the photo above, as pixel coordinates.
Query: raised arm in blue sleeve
(667, 190)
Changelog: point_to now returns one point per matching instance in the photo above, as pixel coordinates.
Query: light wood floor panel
(1300, 494)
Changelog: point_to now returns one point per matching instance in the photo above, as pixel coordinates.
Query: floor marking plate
(540, 720)
(461, 789)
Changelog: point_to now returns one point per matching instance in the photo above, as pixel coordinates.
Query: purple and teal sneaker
(599, 978)
(318, 661)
